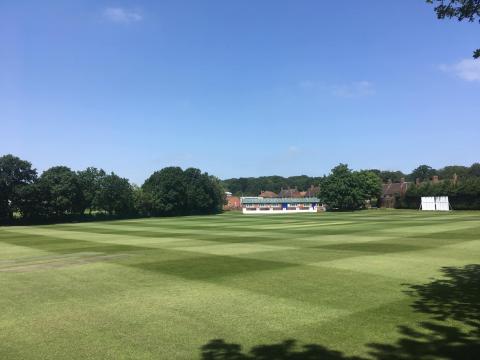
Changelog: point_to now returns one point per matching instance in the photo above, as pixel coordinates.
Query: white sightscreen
(428, 203)
(441, 203)
(438, 203)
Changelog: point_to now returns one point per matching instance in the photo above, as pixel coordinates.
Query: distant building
(312, 191)
(268, 194)
(391, 191)
(258, 205)
(289, 193)
(233, 202)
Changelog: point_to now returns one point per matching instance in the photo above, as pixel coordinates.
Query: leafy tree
(474, 170)
(253, 186)
(423, 172)
(114, 195)
(204, 193)
(89, 181)
(448, 172)
(172, 191)
(167, 191)
(14, 174)
(386, 175)
(60, 192)
(460, 9)
(142, 201)
(370, 184)
(341, 189)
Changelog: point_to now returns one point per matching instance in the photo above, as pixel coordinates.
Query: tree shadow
(456, 296)
(453, 302)
(453, 332)
(287, 350)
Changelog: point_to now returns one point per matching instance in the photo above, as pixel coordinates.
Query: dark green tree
(448, 172)
(423, 172)
(468, 10)
(114, 195)
(204, 192)
(142, 201)
(172, 191)
(167, 191)
(370, 185)
(14, 174)
(341, 190)
(60, 192)
(89, 181)
(474, 170)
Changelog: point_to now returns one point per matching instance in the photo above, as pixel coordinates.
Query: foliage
(388, 175)
(172, 191)
(14, 174)
(142, 201)
(345, 189)
(460, 9)
(253, 186)
(90, 181)
(462, 196)
(423, 173)
(60, 191)
(114, 195)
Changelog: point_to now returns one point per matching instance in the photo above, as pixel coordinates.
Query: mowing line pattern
(162, 287)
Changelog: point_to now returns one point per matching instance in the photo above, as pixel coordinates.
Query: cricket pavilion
(259, 205)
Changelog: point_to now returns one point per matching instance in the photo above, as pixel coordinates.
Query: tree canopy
(172, 191)
(60, 193)
(14, 173)
(345, 189)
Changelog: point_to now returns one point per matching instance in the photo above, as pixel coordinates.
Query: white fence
(435, 203)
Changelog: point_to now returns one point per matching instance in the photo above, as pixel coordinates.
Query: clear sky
(237, 88)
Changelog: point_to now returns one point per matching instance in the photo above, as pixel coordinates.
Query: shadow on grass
(286, 350)
(453, 333)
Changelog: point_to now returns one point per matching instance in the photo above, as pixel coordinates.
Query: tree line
(252, 186)
(61, 193)
(462, 195)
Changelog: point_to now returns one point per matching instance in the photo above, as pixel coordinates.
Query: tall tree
(114, 195)
(204, 192)
(60, 191)
(370, 185)
(423, 172)
(167, 191)
(468, 10)
(172, 191)
(14, 173)
(341, 190)
(89, 181)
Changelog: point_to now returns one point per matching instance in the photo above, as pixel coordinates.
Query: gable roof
(268, 194)
(393, 189)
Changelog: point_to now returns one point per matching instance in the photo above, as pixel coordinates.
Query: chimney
(455, 179)
(435, 179)
(389, 181)
(417, 181)
(402, 180)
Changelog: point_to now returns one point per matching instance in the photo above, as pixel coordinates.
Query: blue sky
(237, 88)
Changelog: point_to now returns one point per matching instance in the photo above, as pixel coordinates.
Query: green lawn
(356, 283)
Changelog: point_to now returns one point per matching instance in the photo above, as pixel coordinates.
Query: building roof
(395, 188)
(289, 193)
(268, 194)
(280, 200)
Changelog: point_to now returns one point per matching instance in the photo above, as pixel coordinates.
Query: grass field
(356, 283)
